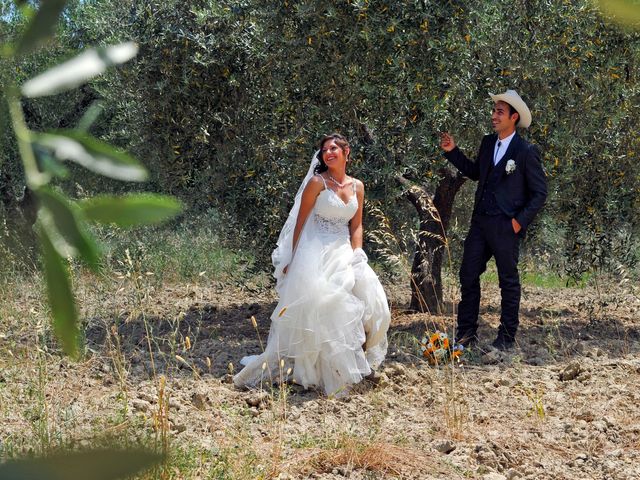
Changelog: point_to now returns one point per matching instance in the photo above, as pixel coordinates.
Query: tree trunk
(434, 212)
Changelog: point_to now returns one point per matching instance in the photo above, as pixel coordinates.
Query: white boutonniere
(511, 167)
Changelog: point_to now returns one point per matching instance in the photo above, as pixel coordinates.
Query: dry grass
(349, 454)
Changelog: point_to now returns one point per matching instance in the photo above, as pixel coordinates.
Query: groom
(511, 190)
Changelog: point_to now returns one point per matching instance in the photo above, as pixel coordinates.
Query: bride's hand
(285, 269)
(359, 257)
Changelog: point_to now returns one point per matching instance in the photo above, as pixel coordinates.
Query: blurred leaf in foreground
(65, 229)
(93, 154)
(624, 12)
(60, 224)
(90, 116)
(131, 210)
(61, 301)
(94, 465)
(41, 25)
(79, 70)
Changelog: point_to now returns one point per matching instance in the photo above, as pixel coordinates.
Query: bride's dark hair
(340, 141)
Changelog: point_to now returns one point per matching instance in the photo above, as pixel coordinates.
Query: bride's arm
(308, 200)
(355, 225)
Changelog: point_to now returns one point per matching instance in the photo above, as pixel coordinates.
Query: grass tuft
(349, 453)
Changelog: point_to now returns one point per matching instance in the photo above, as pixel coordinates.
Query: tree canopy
(227, 98)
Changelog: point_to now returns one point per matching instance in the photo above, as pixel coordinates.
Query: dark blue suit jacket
(519, 194)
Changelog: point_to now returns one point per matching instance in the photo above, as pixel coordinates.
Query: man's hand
(447, 143)
(516, 225)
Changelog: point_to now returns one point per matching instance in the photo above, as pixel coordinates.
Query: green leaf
(47, 163)
(93, 154)
(90, 116)
(79, 70)
(41, 26)
(131, 210)
(65, 230)
(624, 12)
(61, 301)
(95, 464)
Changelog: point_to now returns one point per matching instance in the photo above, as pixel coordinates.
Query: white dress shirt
(501, 148)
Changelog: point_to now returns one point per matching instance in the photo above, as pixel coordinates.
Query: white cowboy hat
(512, 98)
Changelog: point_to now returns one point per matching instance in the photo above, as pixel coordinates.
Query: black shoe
(468, 340)
(503, 344)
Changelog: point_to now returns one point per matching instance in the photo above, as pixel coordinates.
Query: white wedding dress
(330, 326)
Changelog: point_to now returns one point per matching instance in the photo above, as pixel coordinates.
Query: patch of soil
(564, 404)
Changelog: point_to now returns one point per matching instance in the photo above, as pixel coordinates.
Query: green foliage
(192, 249)
(238, 93)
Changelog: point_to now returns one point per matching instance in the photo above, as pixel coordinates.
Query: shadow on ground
(221, 336)
(545, 336)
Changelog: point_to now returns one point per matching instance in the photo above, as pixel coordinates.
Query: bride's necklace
(340, 185)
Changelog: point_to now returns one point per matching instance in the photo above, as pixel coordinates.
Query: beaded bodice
(332, 214)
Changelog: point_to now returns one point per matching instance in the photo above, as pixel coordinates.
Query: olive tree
(238, 92)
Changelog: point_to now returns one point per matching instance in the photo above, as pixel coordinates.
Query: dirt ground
(564, 405)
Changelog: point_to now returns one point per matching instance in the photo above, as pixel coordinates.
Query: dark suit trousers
(489, 236)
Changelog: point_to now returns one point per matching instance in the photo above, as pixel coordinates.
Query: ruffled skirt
(329, 328)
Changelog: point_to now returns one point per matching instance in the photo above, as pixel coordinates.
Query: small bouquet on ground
(437, 349)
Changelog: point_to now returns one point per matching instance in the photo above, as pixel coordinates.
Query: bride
(329, 329)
